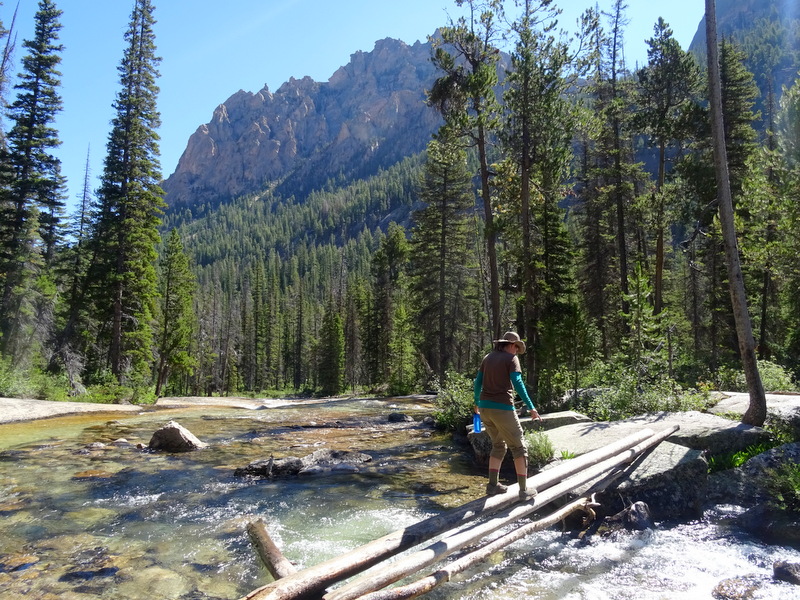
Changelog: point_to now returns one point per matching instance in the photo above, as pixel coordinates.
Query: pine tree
(718, 344)
(465, 96)
(176, 315)
(388, 268)
(788, 159)
(537, 135)
(331, 355)
(125, 228)
(611, 181)
(33, 202)
(667, 85)
(355, 305)
(440, 272)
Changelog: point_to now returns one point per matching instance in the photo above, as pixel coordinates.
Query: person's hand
(535, 415)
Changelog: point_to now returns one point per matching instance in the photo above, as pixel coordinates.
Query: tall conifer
(176, 317)
(537, 135)
(125, 230)
(33, 200)
(465, 95)
(440, 258)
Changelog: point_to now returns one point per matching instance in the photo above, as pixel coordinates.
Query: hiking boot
(492, 489)
(528, 494)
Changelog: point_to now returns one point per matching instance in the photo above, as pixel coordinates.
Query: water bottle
(476, 423)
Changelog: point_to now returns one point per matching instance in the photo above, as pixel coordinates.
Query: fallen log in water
(315, 579)
(462, 537)
(443, 575)
(270, 554)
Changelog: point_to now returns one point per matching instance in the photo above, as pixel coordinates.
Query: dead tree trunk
(462, 537)
(271, 556)
(426, 584)
(313, 580)
(756, 413)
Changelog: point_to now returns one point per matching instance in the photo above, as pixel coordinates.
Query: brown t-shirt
(497, 367)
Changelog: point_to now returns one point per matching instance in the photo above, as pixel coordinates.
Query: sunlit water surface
(84, 515)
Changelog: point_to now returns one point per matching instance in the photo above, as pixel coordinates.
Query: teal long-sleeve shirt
(519, 387)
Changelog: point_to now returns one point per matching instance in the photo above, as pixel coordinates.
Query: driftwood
(270, 554)
(443, 575)
(314, 580)
(462, 537)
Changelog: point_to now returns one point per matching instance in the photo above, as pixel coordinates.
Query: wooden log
(316, 578)
(277, 564)
(443, 575)
(461, 537)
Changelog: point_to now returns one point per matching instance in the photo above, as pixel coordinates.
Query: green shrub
(736, 459)
(50, 387)
(31, 383)
(454, 402)
(13, 383)
(773, 377)
(783, 485)
(540, 448)
(625, 395)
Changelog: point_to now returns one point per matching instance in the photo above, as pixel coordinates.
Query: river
(85, 514)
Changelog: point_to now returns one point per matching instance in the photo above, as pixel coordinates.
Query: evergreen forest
(568, 196)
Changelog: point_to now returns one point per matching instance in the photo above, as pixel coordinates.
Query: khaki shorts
(505, 432)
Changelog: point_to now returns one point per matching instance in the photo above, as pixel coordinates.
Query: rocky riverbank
(672, 478)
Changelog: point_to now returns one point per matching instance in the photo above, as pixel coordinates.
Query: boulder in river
(323, 460)
(174, 437)
(786, 571)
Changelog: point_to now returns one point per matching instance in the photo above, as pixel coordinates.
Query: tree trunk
(491, 236)
(314, 579)
(271, 556)
(757, 411)
(459, 537)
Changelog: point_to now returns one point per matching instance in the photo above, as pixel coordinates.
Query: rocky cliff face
(370, 114)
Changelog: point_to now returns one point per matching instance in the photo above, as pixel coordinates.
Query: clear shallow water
(83, 516)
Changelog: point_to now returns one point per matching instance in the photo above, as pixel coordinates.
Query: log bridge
(370, 572)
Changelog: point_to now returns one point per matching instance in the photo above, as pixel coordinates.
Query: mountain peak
(370, 114)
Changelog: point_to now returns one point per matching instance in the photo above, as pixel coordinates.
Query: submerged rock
(173, 437)
(737, 588)
(320, 461)
(397, 417)
(637, 517)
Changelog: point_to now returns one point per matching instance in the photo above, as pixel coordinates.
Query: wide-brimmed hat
(512, 337)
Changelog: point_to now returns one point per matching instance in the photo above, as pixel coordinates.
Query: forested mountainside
(768, 32)
(318, 239)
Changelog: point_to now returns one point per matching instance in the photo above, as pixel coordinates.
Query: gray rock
(671, 478)
(173, 437)
(771, 525)
(318, 462)
(783, 410)
(786, 571)
(746, 485)
(635, 517)
(397, 417)
(738, 588)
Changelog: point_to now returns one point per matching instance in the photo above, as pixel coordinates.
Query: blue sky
(210, 49)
